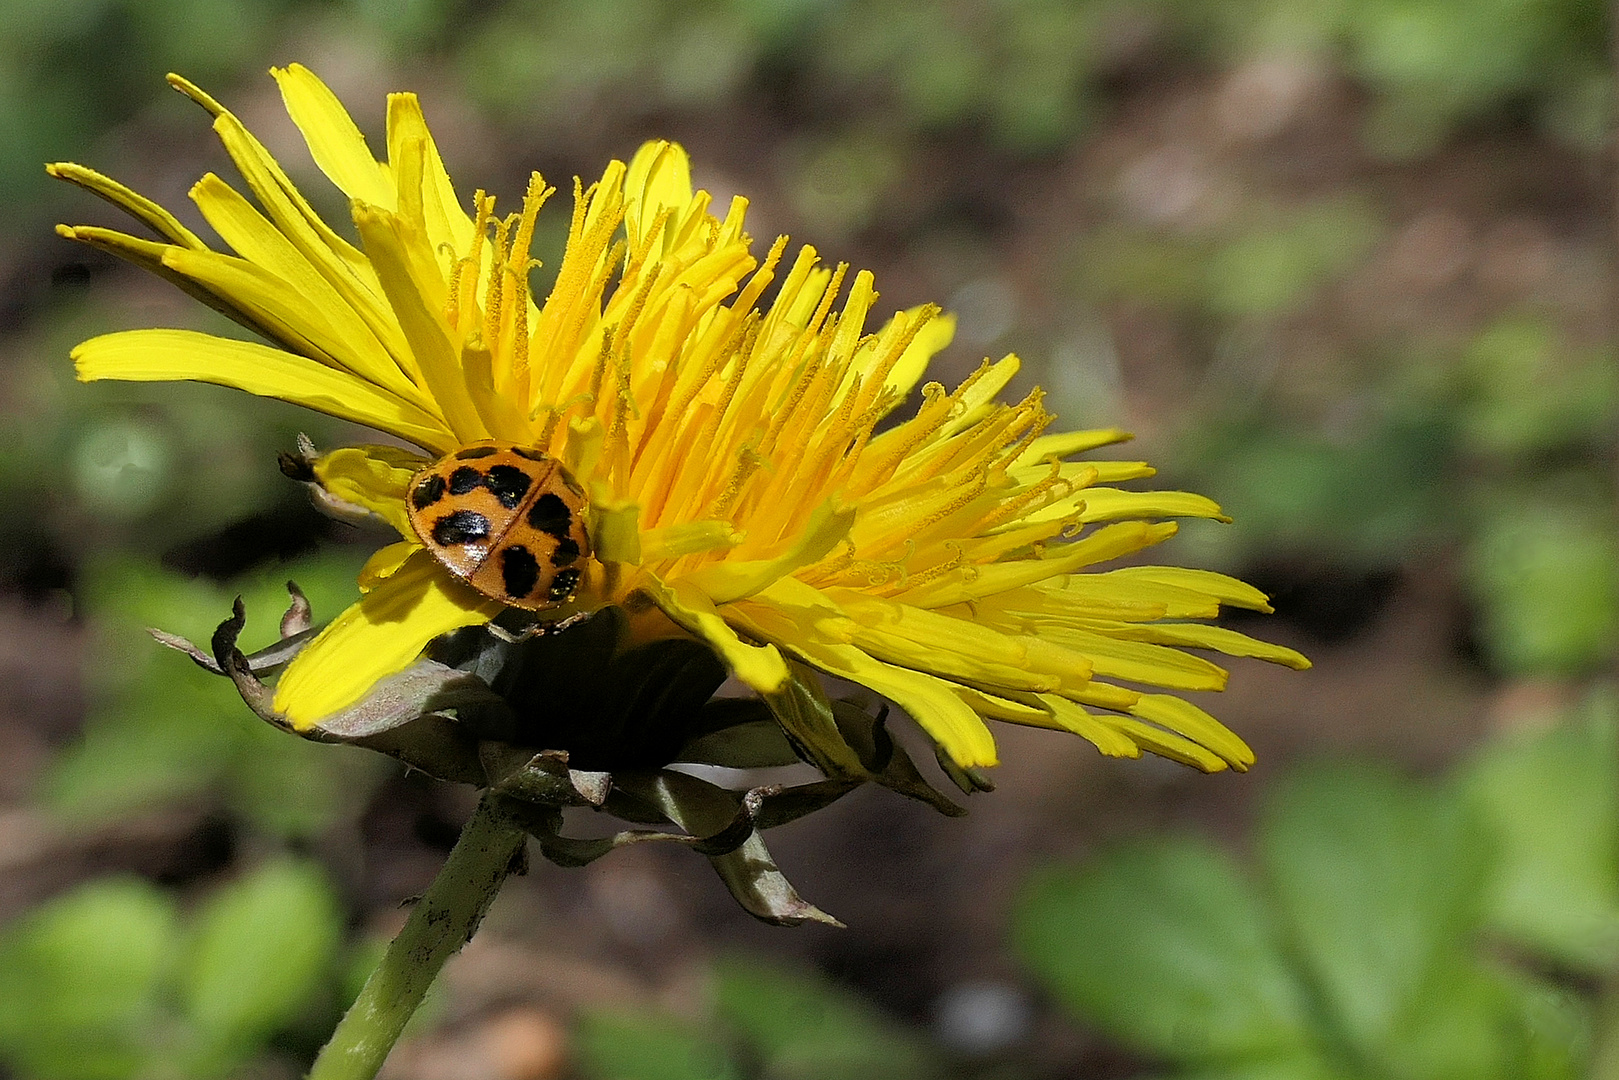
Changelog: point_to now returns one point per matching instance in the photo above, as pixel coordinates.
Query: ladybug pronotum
(506, 519)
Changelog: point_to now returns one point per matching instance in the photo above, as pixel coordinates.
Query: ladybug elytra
(506, 519)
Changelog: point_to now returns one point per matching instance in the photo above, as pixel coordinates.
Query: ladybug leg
(510, 637)
(535, 629)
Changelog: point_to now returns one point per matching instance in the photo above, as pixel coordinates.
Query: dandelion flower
(728, 419)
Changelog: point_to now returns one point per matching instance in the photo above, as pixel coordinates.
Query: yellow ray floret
(721, 410)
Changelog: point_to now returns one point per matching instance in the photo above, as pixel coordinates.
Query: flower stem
(442, 921)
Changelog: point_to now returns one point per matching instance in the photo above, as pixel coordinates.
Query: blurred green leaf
(1371, 969)
(167, 738)
(1167, 948)
(166, 730)
(1300, 1067)
(1377, 880)
(1276, 265)
(1432, 65)
(80, 982)
(1367, 502)
(804, 1029)
(1552, 801)
(1142, 266)
(1544, 569)
(1450, 60)
(1528, 391)
(631, 1046)
(265, 946)
(1269, 260)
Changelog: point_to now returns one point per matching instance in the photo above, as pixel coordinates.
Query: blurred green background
(1344, 265)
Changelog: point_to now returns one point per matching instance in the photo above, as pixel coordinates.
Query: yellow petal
(933, 703)
(687, 538)
(339, 260)
(1110, 504)
(957, 648)
(1070, 717)
(417, 293)
(445, 218)
(1216, 586)
(137, 206)
(973, 582)
(1062, 445)
(294, 317)
(759, 666)
(376, 478)
(615, 533)
(1184, 718)
(384, 563)
(658, 180)
(159, 355)
(382, 634)
(1140, 662)
(980, 397)
(1076, 598)
(345, 335)
(932, 339)
(728, 582)
(1167, 744)
(996, 707)
(1198, 636)
(334, 141)
(149, 255)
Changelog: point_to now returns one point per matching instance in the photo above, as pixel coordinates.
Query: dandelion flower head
(736, 421)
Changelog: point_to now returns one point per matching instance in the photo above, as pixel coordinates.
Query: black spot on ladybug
(567, 551)
(474, 452)
(551, 515)
(507, 483)
(532, 455)
(460, 527)
(519, 571)
(428, 492)
(563, 586)
(465, 479)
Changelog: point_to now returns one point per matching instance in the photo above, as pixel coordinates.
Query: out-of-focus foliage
(112, 980)
(770, 1022)
(1498, 447)
(163, 730)
(1259, 263)
(1549, 801)
(1437, 64)
(1026, 71)
(111, 48)
(1361, 944)
(1544, 567)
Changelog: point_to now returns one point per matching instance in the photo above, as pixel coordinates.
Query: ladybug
(506, 519)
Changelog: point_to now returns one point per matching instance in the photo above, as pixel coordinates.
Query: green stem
(443, 920)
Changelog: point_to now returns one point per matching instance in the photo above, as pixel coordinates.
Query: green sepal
(885, 761)
(585, 689)
(970, 781)
(847, 743)
(804, 713)
(544, 777)
(749, 871)
(403, 716)
(738, 733)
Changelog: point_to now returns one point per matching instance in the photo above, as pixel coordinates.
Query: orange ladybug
(505, 518)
